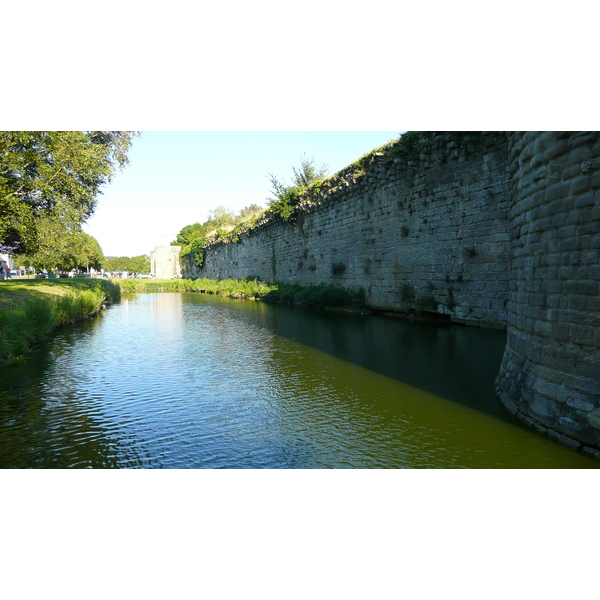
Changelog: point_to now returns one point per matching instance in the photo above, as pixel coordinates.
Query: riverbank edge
(321, 297)
(32, 309)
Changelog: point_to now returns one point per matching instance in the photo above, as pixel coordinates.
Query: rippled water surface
(195, 381)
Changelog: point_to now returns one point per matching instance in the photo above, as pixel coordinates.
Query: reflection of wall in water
(167, 311)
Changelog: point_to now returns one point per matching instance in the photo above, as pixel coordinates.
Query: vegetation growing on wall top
(309, 184)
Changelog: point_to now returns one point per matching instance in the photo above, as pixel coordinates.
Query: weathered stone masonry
(430, 232)
(550, 374)
(490, 229)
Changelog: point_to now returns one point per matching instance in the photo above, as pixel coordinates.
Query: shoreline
(31, 309)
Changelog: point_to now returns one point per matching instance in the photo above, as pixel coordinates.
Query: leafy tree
(285, 197)
(220, 217)
(189, 233)
(58, 250)
(139, 264)
(117, 263)
(50, 175)
(84, 251)
(248, 212)
(198, 251)
(135, 264)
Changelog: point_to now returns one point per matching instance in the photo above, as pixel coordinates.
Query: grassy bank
(31, 309)
(250, 288)
(276, 293)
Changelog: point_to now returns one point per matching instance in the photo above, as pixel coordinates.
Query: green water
(196, 381)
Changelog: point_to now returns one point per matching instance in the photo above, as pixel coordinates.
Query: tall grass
(275, 293)
(27, 317)
(251, 288)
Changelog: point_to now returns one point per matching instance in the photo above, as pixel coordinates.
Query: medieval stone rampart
(489, 229)
(550, 374)
(427, 232)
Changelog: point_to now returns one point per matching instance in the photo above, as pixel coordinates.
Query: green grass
(31, 309)
(251, 288)
(275, 293)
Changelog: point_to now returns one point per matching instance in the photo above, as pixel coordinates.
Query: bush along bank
(233, 288)
(321, 296)
(317, 296)
(32, 309)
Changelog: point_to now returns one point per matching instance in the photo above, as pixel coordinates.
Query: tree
(248, 211)
(189, 233)
(53, 175)
(306, 174)
(84, 252)
(286, 197)
(58, 250)
(220, 217)
(135, 264)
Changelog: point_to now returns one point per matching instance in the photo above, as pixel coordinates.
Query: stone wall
(423, 232)
(164, 262)
(492, 229)
(550, 375)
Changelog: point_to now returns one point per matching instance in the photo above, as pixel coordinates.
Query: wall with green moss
(419, 228)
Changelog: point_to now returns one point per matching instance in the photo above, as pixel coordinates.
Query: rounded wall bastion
(550, 373)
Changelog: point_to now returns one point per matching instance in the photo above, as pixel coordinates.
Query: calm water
(195, 381)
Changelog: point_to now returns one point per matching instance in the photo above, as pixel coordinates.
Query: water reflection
(458, 363)
(191, 381)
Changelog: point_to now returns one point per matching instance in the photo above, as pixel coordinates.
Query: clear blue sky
(175, 178)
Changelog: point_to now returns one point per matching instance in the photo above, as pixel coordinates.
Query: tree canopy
(134, 264)
(51, 179)
(56, 250)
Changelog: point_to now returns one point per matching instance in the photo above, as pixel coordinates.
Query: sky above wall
(175, 178)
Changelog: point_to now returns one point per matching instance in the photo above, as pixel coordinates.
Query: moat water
(194, 381)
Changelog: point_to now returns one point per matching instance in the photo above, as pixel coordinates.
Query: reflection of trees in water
(44, 420)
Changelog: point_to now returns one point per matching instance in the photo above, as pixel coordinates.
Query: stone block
(593, 419)
(580, 184)
(586, 199)
(582, 384)
(543, 409)
(591, 452)
(581, 334)
(569, 442)
(580, 402)
(581, 287)
(555, 192)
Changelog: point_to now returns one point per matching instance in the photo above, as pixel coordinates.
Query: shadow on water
(195, 381)
(456, 362)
